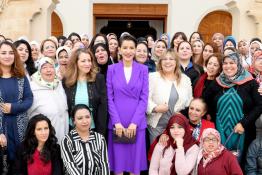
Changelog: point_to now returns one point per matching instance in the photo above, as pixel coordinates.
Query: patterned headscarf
(36, 77)
(239, 78)
(258, 75)
(208, 156)
(168, 38)
(154, 57)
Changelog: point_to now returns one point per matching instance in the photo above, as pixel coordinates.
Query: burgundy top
(226, 164)
(38, 167)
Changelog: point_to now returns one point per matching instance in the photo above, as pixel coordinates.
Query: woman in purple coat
(127, 86)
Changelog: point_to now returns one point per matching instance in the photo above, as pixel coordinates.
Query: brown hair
(176, 35)
(17, 68)
(177, 70)
(201, 60)
(72, 68)
(219, 57)
(43, 42)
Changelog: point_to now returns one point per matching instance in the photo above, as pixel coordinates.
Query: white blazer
(159, 91)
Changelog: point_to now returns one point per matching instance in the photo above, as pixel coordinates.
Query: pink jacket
(160, 165)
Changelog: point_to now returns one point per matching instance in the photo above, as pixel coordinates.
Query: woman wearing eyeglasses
(214, 158)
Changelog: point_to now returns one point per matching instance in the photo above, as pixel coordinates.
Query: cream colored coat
(159, 91)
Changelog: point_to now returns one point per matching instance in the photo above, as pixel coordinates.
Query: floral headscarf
(208, 156)
(258, 75)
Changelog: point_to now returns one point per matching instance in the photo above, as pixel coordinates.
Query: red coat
(205, 124)
(225, 164)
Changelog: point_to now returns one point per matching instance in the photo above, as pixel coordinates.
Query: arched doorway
(56, 25)
(213, 22)
(131, 18)
(136, 28)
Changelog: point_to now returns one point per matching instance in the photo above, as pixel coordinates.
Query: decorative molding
(231, 4)
(3, 4)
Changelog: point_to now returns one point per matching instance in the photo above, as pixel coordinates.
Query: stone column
(255, 12)
(17, 18)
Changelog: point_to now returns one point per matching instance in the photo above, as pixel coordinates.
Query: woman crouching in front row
(39, 152)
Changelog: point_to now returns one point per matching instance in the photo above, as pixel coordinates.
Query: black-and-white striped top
(85, 158)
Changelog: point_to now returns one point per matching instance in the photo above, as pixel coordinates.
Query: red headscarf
(188, 139)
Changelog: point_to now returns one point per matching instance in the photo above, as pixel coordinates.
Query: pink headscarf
(209, 156)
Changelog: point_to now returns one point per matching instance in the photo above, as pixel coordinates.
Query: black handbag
(123, 139)
(3, 161)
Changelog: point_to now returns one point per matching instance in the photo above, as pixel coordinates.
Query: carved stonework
(3, 3)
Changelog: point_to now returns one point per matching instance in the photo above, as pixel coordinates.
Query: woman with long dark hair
(15, 99)
(39, 152)
(188, 67)
(25, 53)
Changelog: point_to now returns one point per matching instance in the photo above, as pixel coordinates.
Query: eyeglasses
(214, 140)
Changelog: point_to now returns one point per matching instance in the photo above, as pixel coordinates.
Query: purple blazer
(127, 102)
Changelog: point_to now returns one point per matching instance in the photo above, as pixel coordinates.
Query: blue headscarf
(230, 38)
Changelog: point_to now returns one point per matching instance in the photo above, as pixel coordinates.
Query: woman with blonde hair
(84, 85)
(170, 91)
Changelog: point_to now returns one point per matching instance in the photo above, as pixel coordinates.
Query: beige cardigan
(159, 91)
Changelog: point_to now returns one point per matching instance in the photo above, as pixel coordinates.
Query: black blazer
(20, 164)
(97, 101)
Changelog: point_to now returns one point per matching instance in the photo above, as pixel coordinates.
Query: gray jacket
(254, 158)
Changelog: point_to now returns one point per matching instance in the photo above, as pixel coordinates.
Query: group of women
(102, 103)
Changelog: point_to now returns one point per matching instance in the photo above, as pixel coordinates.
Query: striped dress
(89, 158)
(230, 112)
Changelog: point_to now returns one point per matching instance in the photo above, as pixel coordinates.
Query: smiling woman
(127, 87)
(169, 91)
(84, 151)
(44, 82)
(84, 85)
(235, 103)
(39, 151)
(15, 99)
(25, 53)
(214, 158)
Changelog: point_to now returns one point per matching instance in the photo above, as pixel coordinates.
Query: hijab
(36, 77)
(189, 141)
(168, 38)
(242, 76)
(258, 75)
(103, 67)
(230, 38)
(154, 57)
(209, 156)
